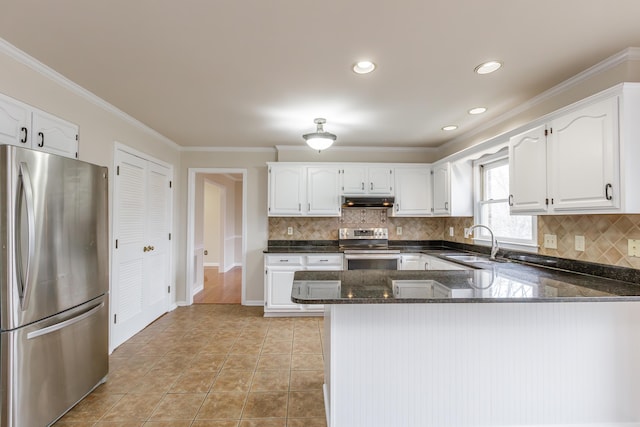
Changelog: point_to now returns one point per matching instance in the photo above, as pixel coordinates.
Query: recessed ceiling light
(450, 127)
(488, 67)
(477, 110)
(364, 67)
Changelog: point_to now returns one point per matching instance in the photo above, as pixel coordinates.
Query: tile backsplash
(605, 235)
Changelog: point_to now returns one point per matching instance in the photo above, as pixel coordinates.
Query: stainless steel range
(368, 249)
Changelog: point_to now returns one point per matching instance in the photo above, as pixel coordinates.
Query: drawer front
(284, 260)
(324, 260)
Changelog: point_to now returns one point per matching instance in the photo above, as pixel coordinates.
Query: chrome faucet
(494, 241)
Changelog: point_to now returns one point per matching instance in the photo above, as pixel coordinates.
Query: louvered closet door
(141, 260)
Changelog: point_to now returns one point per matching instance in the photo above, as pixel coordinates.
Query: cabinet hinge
(431, 172)
(117, 170)
(169, 236)
(168, 289)
(116, 243)
(76, 137)
(546, 202)
(269, 170)
(115, 318)
(170, 184)
(552, 200)
(76, 154)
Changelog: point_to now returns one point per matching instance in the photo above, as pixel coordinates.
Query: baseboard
(254, 303)
(234, 265)
(211, 264)
(198, 289)
(172, 307)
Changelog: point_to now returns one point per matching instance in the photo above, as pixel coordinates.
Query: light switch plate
(450, 231)
(634, 247)
(399, 231)
(550, 241)
(579, 243)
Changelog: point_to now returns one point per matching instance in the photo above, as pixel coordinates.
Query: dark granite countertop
(498, 281)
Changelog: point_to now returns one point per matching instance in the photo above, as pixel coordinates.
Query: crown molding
(628, 54)
(229, 149)
(283, 148)
(48, 72)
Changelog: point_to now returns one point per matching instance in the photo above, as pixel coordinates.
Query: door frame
(222, 212)
(190, 252)
(170, 304)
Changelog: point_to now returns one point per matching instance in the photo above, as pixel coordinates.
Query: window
(492, 208)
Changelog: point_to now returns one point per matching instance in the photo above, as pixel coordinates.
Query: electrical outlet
(450, 231)
(579, 243)
(289, 231)
(550, 241)
(634, 247)
(399, 231)
(466, 233)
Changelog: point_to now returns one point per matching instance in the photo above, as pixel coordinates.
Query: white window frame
(499, 158)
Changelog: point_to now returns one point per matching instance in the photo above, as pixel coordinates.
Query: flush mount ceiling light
(450, 127)
(488, 67)
(319, 140)
(363, 67)
(477, 110)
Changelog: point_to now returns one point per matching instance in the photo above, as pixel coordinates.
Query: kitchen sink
(468, 258)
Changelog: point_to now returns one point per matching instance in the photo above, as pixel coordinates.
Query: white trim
(631, 53)
(254, 303)
(198, 289)
(230, 149)
(231, 177)
(189, 253)
(368, 149)
(48, 72)
(211, 264)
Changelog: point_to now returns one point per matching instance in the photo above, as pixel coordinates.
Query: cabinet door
(54, 135)
(528, 171)
(15, 123)
(413, 192)
(441, 189)
(285, 190)
(380, 180)
(412, 262)
(584, 158)
(323, 196)
(354, 180)
(279, 285)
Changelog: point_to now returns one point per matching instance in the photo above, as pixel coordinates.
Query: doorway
(216, 238)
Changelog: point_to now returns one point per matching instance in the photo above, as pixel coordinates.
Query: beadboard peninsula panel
(483, 364)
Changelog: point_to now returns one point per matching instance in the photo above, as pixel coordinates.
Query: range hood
(370, 202)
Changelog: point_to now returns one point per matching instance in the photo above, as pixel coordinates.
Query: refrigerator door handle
(64, 324)
(26, 188)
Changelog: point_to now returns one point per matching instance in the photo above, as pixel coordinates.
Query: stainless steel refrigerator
(53, 284)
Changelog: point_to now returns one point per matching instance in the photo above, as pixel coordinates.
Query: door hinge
(115, 318)
(168, 289)
(117, 170)
(546, 132)
(169, 236)
(170, 184)
(116, 243)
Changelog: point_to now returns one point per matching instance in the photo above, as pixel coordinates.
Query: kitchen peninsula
(500, 344)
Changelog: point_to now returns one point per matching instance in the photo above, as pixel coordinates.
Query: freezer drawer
(47, 367)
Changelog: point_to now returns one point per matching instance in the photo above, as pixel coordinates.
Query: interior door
(142, 253)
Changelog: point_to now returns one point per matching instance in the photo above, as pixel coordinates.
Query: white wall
(211, 221)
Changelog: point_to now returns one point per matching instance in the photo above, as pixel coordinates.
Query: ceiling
(255, 73)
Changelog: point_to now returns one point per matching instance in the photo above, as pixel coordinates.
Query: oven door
(372, 261)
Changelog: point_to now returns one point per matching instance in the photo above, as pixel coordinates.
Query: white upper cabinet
(54, 135)
(286, 185)
(453, 188)
(583, 158)
(441, 189)
(528, 171)
(413, 191)
(362, 179)
(15, 123)
(25, 126)
(323, 191)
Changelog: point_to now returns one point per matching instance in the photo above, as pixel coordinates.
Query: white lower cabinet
(427, 262)
(279, 272)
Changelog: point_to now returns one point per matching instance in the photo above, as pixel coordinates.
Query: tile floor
(212, 366)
